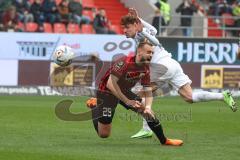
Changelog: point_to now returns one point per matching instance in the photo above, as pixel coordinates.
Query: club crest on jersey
(119, 65)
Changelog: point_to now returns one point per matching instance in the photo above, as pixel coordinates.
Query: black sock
(95, 114)
(156, 127)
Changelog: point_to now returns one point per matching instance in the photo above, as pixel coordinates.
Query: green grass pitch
(30, 130)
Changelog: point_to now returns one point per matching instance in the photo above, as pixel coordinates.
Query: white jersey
(149, 32)
(167, 69)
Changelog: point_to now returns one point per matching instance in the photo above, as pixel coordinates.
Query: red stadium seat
(21, 26)
(87, 29)
(73, 28)
(58, 2)
(47, 27)
(88, 13)
(31, 27)
(88, 4)
(59, 28)
(227, 19)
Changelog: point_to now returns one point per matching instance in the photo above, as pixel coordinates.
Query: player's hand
(134, 104)
(148, 112)
(139, 27)
(133, 12)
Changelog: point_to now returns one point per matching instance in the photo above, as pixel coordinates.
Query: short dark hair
(129, 19)
(143, 43)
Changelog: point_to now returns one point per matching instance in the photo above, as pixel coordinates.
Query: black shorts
(107, 103)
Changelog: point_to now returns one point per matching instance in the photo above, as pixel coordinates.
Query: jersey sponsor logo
(134, 76)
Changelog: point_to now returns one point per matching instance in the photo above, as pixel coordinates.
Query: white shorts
(168, 70)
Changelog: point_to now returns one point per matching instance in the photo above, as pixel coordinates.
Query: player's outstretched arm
(147, 94)
(149, 26)
(147, 112)
(116, 91)
(152, 39)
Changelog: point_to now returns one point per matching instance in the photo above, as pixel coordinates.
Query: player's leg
(204, 96)
(104, 130)
(188, 95)
(153, 123)
(181, 83)
(156, 127)
(145, 132)
(103, 112)
(159, 73)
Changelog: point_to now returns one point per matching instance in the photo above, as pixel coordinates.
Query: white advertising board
(39, 46)
(8, 72)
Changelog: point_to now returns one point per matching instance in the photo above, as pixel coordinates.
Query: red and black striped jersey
(128, 72)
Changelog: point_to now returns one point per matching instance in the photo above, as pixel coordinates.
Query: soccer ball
(63, 55)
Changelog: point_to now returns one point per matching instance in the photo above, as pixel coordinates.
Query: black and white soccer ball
(63, 55)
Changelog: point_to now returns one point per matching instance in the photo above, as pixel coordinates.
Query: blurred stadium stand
(204, 22)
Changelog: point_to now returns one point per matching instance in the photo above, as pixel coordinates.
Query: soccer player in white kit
(164, 69)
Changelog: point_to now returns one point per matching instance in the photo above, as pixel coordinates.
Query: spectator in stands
(50, 11)
(37, 11)
(10, 19)
(64, 11)
(165, 12)
(222, 7)
(236, 12)
(200, 9)
(101, 23)
(158, 21)
(4, 5)
(1, 25)
(23, 10)
(76, 8)
(212, 6)
(187, 10)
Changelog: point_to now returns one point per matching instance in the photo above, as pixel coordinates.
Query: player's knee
(104, 135)
(186, 93)
(188, 98)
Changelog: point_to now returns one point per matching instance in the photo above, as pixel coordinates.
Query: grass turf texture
(30, 130)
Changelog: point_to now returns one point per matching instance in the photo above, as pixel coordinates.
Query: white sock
(145, 125)
(203, 96)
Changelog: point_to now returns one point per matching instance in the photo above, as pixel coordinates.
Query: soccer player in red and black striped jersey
(116, 86)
